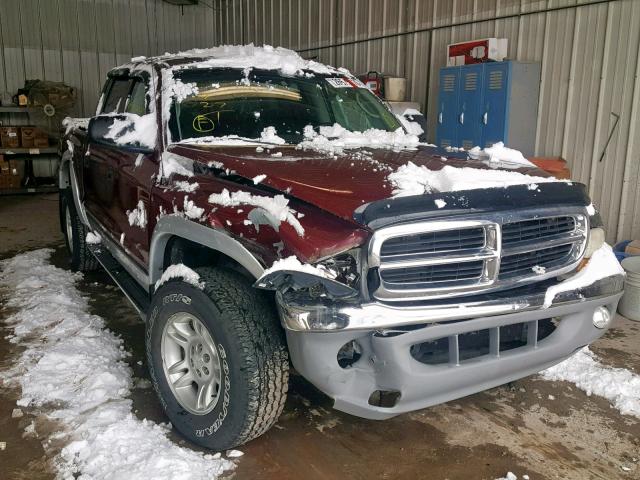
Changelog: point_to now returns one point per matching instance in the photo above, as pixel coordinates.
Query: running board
(132, 289)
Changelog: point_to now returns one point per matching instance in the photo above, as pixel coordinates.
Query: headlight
(596, 240)
(346, 266)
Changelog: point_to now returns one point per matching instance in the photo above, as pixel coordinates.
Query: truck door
(118, 181)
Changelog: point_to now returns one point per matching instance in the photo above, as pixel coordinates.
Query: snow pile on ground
(134, 129)
(499, 154)
(292, 264)
(335, 139)
(603, 263)
(618, 385)
(273, 210)
(138, 216)
(266, 57)
(180, 271)
(72, 370)
(411, 179)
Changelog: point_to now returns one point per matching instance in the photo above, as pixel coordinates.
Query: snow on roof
(411, 179)
(265, 57)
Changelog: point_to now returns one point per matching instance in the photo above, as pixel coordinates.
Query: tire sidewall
(67, 204)
(218, 428)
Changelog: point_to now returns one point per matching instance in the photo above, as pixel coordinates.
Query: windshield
(231, 102)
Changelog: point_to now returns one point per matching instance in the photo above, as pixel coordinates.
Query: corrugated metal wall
(78, 41)
(589, 56)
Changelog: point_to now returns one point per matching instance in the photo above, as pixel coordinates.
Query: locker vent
(467, 144)
(449, 83)
(471, 81)
(445, 143)
(495, 80)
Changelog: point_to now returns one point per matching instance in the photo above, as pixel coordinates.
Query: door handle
(462, 118)
(485, 117)
(440, 117)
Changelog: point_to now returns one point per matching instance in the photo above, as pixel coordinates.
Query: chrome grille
(432, 242)
(436, 259)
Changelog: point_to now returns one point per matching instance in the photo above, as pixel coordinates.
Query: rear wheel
(75, 234)
(217, 358)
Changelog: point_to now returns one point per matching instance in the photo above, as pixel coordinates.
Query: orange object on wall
(556, 166)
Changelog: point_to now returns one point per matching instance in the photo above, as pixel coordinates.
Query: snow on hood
(411, 179)
(499, 155)
(265, 57)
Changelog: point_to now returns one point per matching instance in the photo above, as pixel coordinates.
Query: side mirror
(130, 132)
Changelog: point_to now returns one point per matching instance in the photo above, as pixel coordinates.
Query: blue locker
(486, 103)
(469, 105)
(494, 104)
(448, 107)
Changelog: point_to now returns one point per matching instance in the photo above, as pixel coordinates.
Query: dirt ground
(546, 430)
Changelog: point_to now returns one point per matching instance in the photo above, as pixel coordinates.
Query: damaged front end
(381, 345)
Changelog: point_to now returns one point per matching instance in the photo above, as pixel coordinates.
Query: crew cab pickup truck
(259, 210)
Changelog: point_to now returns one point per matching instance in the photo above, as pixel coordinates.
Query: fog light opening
(601, 317)
(384, 398)
(349, 354)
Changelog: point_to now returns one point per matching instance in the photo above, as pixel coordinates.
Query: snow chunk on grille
(138, 216)
(180, 271)
(187, 187)
(411, 179)
(275, 209)
(335, 139)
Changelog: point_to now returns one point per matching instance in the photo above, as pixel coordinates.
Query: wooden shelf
(16, 109)
(29, 151)
(28, 190)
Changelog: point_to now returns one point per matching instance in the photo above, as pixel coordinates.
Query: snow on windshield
(335, 139)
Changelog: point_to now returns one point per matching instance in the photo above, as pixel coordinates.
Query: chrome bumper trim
(303, 314)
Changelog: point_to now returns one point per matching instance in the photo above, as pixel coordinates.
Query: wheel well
(194, 255)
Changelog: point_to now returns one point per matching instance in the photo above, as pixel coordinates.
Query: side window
(117, 96)
(137, 103)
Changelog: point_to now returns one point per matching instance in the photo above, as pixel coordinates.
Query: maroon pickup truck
(258, 209)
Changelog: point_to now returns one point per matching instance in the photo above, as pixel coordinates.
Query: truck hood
(339, 184)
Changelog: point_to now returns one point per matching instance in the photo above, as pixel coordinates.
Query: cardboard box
(40, 138)
(477, 51)
(633, 247)
(9, 181)
(27, 136)
(9, 137)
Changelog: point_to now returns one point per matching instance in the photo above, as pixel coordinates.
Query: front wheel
(75, 234)
(217, 358)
